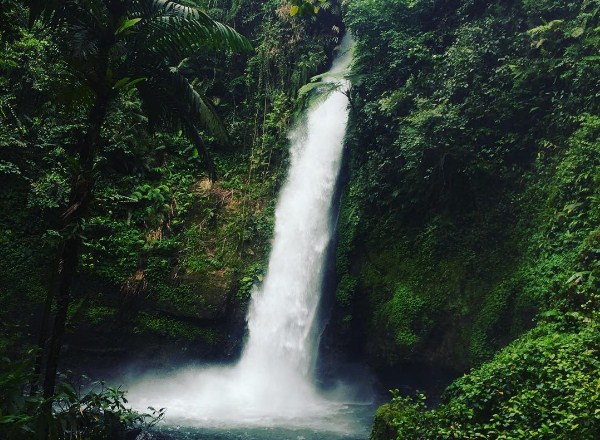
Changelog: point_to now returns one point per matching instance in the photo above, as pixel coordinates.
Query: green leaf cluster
(92, 411)
(544, 385)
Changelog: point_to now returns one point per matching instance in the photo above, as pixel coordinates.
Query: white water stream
(273, 383)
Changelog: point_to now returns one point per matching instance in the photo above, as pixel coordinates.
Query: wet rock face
(166, 340)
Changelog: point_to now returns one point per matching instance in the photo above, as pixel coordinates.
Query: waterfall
(281, 321)
(274, 379)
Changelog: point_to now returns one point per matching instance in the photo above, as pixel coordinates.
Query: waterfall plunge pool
(347, 422)
(231, 402)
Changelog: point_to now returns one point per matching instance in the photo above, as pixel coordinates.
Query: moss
(345, 290)
(383, 424)
(99, 314)
(481, 275)
(446, 273)
(403, 311)
(175, 329)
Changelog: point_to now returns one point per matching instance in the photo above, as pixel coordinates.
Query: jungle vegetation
(469, 233)
(142, 145)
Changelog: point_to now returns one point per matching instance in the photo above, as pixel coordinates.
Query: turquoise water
(353, 422)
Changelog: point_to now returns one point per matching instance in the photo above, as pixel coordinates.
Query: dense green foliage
(473, 204)
(545, 385)
(167, 252)
(169, 255)
(474, 169)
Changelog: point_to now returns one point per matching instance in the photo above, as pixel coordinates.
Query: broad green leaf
(120, 83)
(126, 24)
(134, 82)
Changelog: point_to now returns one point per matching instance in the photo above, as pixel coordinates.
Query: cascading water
(283, 332)
(273, 382)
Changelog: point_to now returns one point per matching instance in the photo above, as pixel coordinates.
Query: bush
(92, 412)
(546, 385)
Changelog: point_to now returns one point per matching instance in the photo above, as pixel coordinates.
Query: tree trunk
(79, 201)
(68, 264)
(44, 330)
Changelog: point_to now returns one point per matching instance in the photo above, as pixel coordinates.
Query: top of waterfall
(344, 55)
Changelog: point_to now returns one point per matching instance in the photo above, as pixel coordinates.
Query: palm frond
(171, 100)
(200, 108)
(319, 88)
(140, 40)
(194, 136)
(155, 8)
(168, 25)
(164, 23)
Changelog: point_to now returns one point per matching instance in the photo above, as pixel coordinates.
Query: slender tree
(111, 46)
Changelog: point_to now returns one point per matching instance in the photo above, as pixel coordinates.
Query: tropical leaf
(199, 107)
(318, 87)
(126, 24)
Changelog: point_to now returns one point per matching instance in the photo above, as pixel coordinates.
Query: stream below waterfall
(271, 392)
(350, 422)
